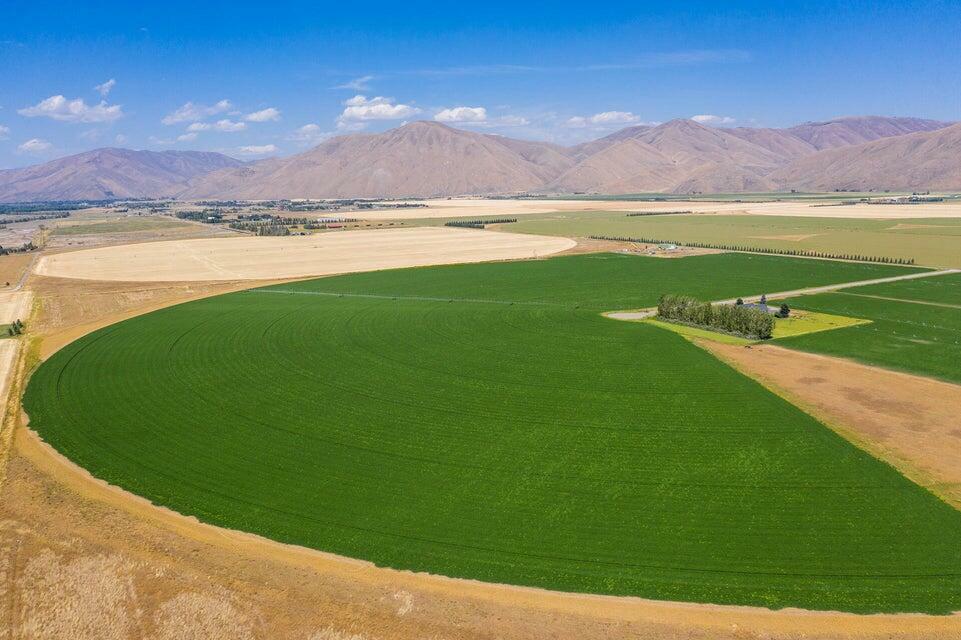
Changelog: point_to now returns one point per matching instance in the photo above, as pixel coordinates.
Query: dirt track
(257, 258)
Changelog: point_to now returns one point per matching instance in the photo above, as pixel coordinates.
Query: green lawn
(932, 242)
(485, 421)
(698, 332)
(804, 322)
(917, 338)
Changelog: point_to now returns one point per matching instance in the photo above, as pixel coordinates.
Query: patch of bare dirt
(12, 267)
(910, 421)
(592, 245)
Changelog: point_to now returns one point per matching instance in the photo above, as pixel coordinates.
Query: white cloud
(264, 115)
(120, 139)
(187, 137)
(309, 134)
(257, 150)
(343, 125)
(4, 132)
(512, 121)
(360, 109)
(478, 117)
(76, 110)
(614, 117)
(710, 119)
(198, 126)
(602, 120)
(34, 145)
(104, 89)
(357, 84)
(462, 114)
(229, 126)
(191, 112)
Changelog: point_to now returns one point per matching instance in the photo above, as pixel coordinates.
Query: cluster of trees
(478, 224)
(206, 215)
(15, 329)
(26, 246)
(272, 230)
(738, 319)
(51, 205)
(635, 214)
(41, 216)
(781, 252)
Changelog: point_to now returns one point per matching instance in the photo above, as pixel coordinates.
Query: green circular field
(486, 422)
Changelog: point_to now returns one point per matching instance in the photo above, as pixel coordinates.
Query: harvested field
(481, 207)
(12, 268)
(910, 421)
(258, 258)
(15, 305)
(396, 399)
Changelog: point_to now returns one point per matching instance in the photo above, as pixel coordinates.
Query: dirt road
(642, 314)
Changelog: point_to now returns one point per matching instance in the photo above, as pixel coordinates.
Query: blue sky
(261, 79)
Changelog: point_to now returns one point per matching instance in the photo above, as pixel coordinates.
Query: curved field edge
(74, 488)
(546, 493)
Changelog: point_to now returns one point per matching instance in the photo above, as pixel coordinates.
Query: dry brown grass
(12, 267)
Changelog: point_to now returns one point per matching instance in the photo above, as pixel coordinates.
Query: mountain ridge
(430, 159)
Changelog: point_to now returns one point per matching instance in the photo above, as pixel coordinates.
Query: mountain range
(429, 159)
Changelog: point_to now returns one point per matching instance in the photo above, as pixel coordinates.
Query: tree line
(748, 249)
(478, 224)
(741, 320)
(25, 247)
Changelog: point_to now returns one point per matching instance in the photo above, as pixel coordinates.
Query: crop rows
(535, 444)
(918, 337)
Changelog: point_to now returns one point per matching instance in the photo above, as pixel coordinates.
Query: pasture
(484, 421)
(911, 328)
(931, 242)
(128, 224)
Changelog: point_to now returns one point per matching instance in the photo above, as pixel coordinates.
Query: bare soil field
(256, 258)
(12, 267)
(909, 421)
(485, 208)
(15, 305)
